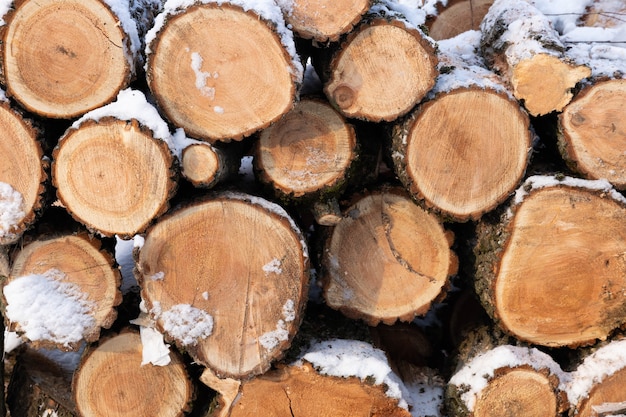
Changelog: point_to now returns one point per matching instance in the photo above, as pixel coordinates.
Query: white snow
(154, 349)
(475, 375)
(5, 6)
(11, 210)
(124, 258)
(12, 340)
(408, 12)
(271, 339)
(266, 9)
(205, 295)
(47, 309)
(202, 76)
(159, 276)
(132, 52)
(272, 266)
(542, 181)
(218, 109)
(246, 168)
(187, 324)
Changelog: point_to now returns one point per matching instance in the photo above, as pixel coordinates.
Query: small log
(205, 165)
(596, 387)
(324, 20)
(113, 170)
(463, 164)
(308, 153)
(236, 302)
(456, 17)
(519, 43)
(360, 73)
(110, 381)
(61, 291)
(222, 72)
(23, 174)
(407, 266)
(64, 70)
(550, 271)
(591, 129)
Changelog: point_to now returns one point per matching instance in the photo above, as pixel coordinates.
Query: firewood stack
(374, 219)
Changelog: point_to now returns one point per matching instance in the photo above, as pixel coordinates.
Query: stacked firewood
(385, 208)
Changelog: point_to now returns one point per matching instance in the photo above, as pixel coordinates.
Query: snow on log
(61, 291)
(236, 300)
(111, 381)
(519, 43)
(596, 386)
(64, 58)
(383, 68)
(508, 379)
(456, 17)
(222, 70)
(407, 266)
(114, 169)
(550, 270)
(323, 20)
(23, 174)
(464, 149)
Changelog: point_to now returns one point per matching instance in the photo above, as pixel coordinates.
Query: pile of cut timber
(311, 207)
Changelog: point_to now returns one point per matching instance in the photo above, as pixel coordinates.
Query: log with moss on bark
(408, 263)
(550, 268)
(519, 42)
(462, 164)
(63, 58)
(115, 168)
(222, 70)
(456, 17)
(383, 68)
(236, 302)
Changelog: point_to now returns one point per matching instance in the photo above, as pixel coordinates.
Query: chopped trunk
(325, 20)
(592, 132)
(457, 16)
(112, 382)
(407, 262)
(205, 165)
(605, 14)
(361, 76)
(519, 43)
(89, 162)
(74, 260)
(551, 271)
(244, 281)
(307, 156)
(23, 174)
(63, 58)
(220, 72)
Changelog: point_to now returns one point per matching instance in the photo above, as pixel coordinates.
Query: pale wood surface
(457, 17)
(325, 20)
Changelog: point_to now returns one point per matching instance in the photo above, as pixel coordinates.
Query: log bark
(111, 381)
(64, 70)
(324, 21)
(24, 174)
(360, 73)
(519, 43)
(113, 175)
(555, 279)
(307, 155)
(408, 261)
(456, 17)
(591, 129)
(244, 284)
(220, 72)
(80, 272)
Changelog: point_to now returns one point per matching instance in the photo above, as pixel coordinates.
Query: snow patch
(121, 9)
(154, 349)
(542, 181)
(124, 258)
(187, 324)
(218, 110)
(12, 340)
(202, 76)
(408, 12)
(271, 339)
(5, 6)
(273, 266)
(11, 210)
(48, 309)
(159, 276)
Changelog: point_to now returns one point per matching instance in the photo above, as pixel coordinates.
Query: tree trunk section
(456, 17)
(519, 43)
(23, 175)
(64, 260)
(64, 58)
(408, 261)
(324, 20)
(111, 382)
(360, 74)
(605, 14)
(220, 72)
(308, 153)
(244, 282)
(592, 129)
(205, 165)
(551, 271)
(113, 176)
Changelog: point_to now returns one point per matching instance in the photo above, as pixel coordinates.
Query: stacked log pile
(304, 207)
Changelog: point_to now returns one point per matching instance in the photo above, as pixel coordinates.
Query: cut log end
(55, 70)
(407, 267)
(607, 398)
(199, 71)
(374, 52)
(200, 164)
(457, 17)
